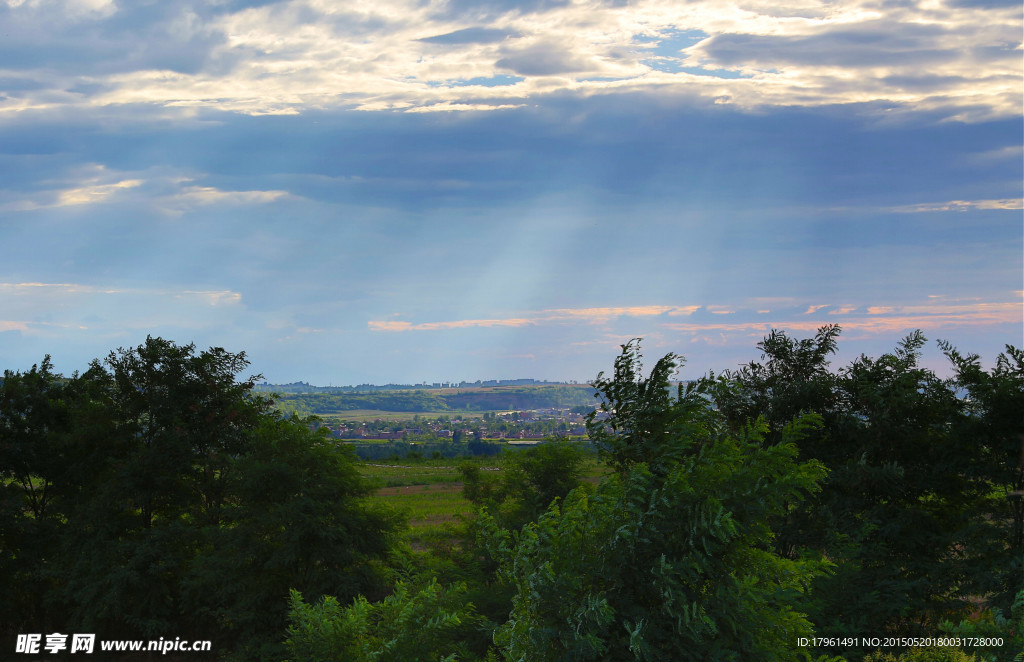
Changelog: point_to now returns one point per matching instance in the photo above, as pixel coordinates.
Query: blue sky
(424, 190)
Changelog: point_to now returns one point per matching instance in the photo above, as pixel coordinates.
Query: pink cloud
(593, 315)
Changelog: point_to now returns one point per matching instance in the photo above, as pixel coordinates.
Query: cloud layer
(317, 183)
(293, 55)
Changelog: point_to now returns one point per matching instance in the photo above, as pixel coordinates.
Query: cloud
(879, 319)
(959, 205)
(471, 36)
(875, 320)
(82, 312)
(300, 55)
(456, 324)
(35, 290)
(92, 184)
(601, 314)
(864, 45)
(588, 315)
(92, 194)
(190, 197)
(544, 58)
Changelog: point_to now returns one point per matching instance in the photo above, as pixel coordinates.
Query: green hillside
(500, 398)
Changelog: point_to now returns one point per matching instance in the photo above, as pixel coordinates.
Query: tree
(670, 559)
(429, 625)
(903, 511)
(992, 420)
(529, 481)
(639, 422)
(34, 424)
(176, 501)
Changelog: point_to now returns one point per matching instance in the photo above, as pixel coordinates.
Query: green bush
(433, 624)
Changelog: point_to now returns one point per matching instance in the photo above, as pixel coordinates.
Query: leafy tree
(990, 624)
(529, 481)
(34, 424)
(944, 654)
(173, 501)
(639, 422)
(670, 559)
(905, 511)
(993, 421)
(429, 625)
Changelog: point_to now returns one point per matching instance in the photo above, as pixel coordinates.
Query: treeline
(404, 450)
(305, 387)
(747, 516)
(741, 516)
(154, 495)
(320, 404)
(510, 398)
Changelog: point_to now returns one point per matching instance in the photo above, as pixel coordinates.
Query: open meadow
(429, 492)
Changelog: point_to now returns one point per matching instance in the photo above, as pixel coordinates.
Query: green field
(369, 415)
(429, 493)
(434, 402)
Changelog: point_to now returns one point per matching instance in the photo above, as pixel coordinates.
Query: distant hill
(305, 387)
(457, 399)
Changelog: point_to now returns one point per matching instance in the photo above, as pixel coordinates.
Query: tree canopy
(154, 495)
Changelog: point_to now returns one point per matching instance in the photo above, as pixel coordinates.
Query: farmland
(470, 401)
(429, 492)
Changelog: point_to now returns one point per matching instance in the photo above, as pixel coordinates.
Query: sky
(445, 190)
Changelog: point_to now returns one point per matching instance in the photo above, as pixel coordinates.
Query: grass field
(368, 415)
(429, 493)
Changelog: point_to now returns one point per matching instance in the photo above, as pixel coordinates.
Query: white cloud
(960, 205)
(289, 56)
(87, 185)
(95, 184)
(40, 308)
(190, 197)
(86, 195)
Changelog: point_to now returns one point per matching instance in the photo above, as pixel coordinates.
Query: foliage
(936, 654)
(529, 481)
(329, 403)
(993, 420)
(906, 512)
(154, 494)
(670, 559)
(432, 624)
(638, 421)
(991, 623)
(34, 424)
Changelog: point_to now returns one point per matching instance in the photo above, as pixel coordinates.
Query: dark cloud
(232, 6)
(868, 45)
(471, 36)
(985, 4)
(923, 82)
(14, 84)
(541, 59)
(491, 8)
(603, 148)
(175, 35)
